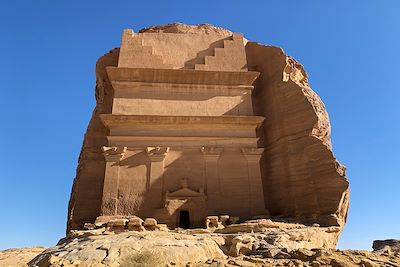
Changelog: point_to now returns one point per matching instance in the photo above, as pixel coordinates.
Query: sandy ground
(18, 256)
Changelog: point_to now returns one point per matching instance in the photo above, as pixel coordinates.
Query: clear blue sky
(351, 50)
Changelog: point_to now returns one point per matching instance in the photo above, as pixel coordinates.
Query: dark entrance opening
(184, 219)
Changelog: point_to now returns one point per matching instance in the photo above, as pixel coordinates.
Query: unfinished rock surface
(187, 29)
(287, 235)
(302, 178)
(196, 121)
(277, 245)
(110, 249)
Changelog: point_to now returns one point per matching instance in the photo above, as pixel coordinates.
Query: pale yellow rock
(150, 224)
(162, 227)
(368, 263)
(241, 245)
(18, 257)
(136, 224)
(156, 248)
(169, 247)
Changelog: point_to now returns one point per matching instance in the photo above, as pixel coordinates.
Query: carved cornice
(157, 153)
(113, 120)
(181, 76)
(113, 153)
(181, 142)
(120, 87)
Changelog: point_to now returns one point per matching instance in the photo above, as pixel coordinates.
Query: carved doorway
(184, 219)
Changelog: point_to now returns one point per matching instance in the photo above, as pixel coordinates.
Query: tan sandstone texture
(17, 257)
(196, 121)
(205, 149)
(271, 244)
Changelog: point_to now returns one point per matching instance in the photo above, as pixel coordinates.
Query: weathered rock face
(85, 201)
(290, 236)
(117, 249)
(273, 244)
(302, 179)
(177, 103)
(390, 244)
(190, 29)
(112, 245)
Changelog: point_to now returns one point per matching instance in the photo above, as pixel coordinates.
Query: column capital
(113, 153)
(211, 152)
(252, 153)
(157, 153)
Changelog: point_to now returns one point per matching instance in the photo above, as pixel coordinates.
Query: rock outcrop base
(252, 243)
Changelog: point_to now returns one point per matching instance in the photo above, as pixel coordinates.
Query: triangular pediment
(185, 192)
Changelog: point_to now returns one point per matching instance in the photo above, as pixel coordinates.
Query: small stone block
(162, 227)
(150, 224)
(136, 221)
(211, 221)
(117, 223)
(102, 221)
(135, 224)
(89, 226)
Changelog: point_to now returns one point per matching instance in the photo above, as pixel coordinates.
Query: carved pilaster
(257, 203)
(213, 184)
(154, 181)
(112, 156)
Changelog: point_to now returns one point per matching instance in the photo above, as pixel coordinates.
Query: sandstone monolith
(196, 121)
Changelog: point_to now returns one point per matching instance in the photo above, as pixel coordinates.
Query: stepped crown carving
(138, 51)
